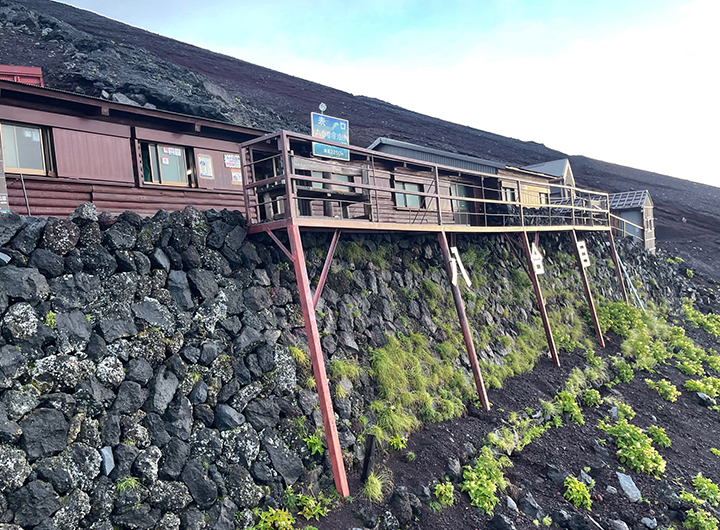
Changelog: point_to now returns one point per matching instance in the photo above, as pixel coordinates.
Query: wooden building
(632, 216)
(61, 149)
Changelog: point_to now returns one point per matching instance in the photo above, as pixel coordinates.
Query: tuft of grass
(301, 358)
(348, 368)
(126, 484)
(376, 486)
(50, 319)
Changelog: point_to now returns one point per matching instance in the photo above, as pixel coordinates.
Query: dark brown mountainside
(84, 52)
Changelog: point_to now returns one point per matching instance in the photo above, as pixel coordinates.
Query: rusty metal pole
(467, 334)
(318, 362)
(326, 268)
(588, 293)
(540, 300)
(613, 255)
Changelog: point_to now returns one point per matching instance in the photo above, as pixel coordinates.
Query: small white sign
(583, 253)
(537, 260)
(457, 263)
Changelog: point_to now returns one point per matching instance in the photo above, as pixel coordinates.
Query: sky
(635, 83)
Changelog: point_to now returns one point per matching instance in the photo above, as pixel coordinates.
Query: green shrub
(710, 322)
(275, 519)
(619, 317)
(591, 398)
(707, 385)
(700, 520)
(445, 493)
(665, 388)
(314, 443)
(624, 370)
(577, 493)
(634, 447)
(485, 479)
(658, 436)
(50, 319)
(567, 403)
(706, 489)
(398, 442)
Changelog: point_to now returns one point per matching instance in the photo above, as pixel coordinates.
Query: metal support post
(326, 268)
(540, 300)
(618, 271)
(588, 293)
(318, 362)
(467, 334)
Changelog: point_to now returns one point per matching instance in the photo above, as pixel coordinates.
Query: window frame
(45, 151)
(509, 194)
(402, 197)
(153, 148)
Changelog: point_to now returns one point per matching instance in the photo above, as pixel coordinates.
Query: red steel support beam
(588, 294)
(618, 271)
(540, 300)
(323, 388)
(326, 267)
(279, 244)
(467, 334)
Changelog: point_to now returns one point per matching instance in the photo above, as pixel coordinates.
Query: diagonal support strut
(318, 362)
(588, 292)
(541, 302)
(326, 268)
(467, 334)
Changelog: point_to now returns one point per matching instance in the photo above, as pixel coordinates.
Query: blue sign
(334, 130)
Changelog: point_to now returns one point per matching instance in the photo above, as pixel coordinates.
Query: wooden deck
(375, 191)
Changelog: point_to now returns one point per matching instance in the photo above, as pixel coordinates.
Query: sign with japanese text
(331, 129)
(232, 160)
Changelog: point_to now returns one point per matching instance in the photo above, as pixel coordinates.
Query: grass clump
(414, 386)
(485, 479)
(127, 484)
(398, 442)
(634, 447)
(577, 493)
(709, 322)
(376, 485)
(665, 388)
(300, 357)
(706, 489)
(50, 319)
(348, 368)
(619, 317)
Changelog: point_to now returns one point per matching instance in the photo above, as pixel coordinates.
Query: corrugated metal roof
(628, 199)
(428, 154)
(555, 168)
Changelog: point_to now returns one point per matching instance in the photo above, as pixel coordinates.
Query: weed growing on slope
(709, 322)
(274, 519)
(414, 386)
(567, 404)
(700, 520)
(706, 489)
(485, 479)
(634, 447)
(665, 388)
(348, 368)
(706, 385)
(577, 493)
(445, 493)
(658, 436)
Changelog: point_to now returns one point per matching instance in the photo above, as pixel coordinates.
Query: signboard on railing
(331, 129)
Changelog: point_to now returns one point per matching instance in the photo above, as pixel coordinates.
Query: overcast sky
(631, 82)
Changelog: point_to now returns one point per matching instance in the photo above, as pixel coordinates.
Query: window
(23, 149)
(164, 164)
(409, 201)
(544, 198)
(509, 194)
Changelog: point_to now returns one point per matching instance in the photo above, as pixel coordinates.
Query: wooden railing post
(318, 362)
(467, 334)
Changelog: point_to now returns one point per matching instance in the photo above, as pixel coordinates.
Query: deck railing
(382, 189)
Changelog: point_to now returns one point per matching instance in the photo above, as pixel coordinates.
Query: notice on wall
(205, 167)
(232, 161)
(237, 178)
(165, 160)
